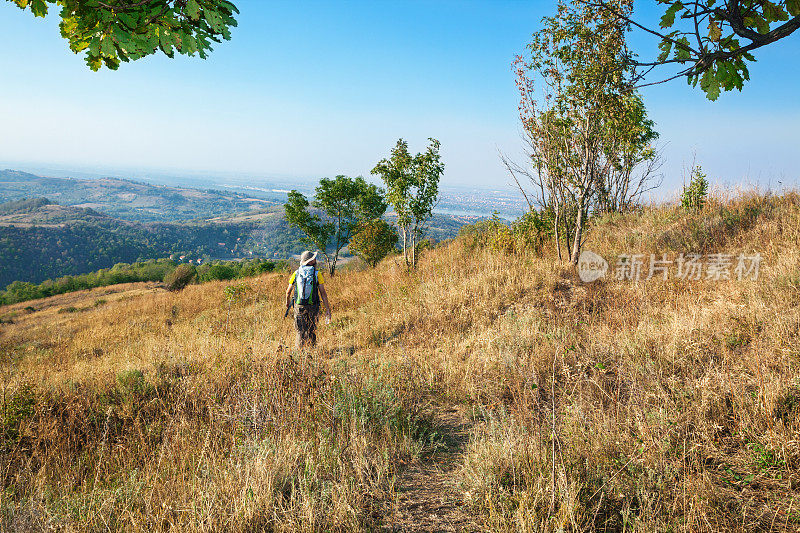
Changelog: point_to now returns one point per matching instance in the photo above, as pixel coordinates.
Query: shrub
(527, 233)
(255, 267)
(218, 271)
(534, 228)
(695, 195)
(132, 382)
(374, 241)
(180, 277)
(502, 239)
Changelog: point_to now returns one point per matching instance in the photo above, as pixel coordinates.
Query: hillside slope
(616, 405)
(41, 240)
(127, 199)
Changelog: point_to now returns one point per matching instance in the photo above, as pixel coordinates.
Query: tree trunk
(330, 262)
(404, 230)
(414, 248)
(576, 242)
(555, 228)
(568, 232)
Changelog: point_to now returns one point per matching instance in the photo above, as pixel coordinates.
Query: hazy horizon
(303, 92)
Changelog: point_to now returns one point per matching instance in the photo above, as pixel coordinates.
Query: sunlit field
(664, 405)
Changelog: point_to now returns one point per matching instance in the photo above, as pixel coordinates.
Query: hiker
(309, 289)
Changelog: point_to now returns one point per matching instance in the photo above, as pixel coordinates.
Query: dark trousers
(305, 321)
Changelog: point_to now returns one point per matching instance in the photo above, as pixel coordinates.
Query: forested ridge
(54, 227)
(79, 242)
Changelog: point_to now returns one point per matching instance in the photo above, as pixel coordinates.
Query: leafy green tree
(631, 158)
(585, 129)
(113, 31)
(711, 41)
(374, 240)
(340, 205)
(413, 191)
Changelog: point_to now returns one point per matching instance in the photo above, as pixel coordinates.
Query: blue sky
(311, 89)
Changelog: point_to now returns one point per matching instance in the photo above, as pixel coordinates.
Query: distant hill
(127, 199)
(42, 240)
(43, 211)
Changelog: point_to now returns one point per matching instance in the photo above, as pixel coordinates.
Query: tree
(374, 240)
(632, 161)
(586, 130)
(413, 190)
(712, 40)
(114, 31)
(340, 205)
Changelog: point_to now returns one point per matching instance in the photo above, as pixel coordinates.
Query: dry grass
(675, 401)
(676, 406)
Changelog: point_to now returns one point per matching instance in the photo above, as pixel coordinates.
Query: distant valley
(54, 227)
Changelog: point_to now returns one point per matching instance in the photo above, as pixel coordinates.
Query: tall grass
(658, 405)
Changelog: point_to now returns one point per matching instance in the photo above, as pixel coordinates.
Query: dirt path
(427, 497)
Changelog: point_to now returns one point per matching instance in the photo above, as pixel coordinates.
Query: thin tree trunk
(414, 248)
(576, 242)
(557, 223)
(404, 230)
(567, 234)
(331, 263)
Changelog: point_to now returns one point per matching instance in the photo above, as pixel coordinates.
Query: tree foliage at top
(114, 31)
(340, 206)
(711, 41)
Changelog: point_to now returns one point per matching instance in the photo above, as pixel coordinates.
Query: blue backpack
(305, 286)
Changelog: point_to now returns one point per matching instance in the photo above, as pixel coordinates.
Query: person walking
(308, 287)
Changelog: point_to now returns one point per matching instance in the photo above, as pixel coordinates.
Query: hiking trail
(427, 498)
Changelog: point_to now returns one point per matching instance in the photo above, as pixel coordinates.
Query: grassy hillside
(659, 405)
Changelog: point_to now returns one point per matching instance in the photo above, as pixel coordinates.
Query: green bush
(374, 241)
(695, 195)
(132, 383)
(180, 277)
(254, 267)
(527, 233)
